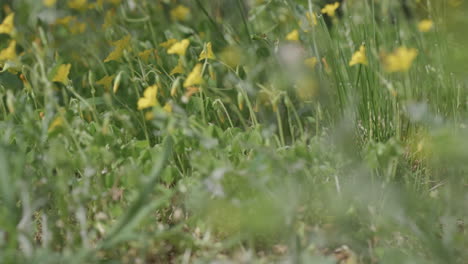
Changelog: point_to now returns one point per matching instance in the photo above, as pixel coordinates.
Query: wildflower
(62, 74)
(108, 18)
(179, 48)
(180, 13)
(400, 60)
(149, 98)
(425, 25)
(7, 26)
(311, 62)
(167, 44)
(312, 18)
(78, 28)
(144, 55)
(106, 81)
(9, 53)
(120, 46)
(49, 3)
(79, 5)
(330, 9)
(207, 53)
(195, 77)
(58, 122)
(293, 36)
(65, 20)
(168, 107)
(179, 68)
(359, 57)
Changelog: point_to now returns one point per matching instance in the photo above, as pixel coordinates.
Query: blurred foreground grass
(233, 132)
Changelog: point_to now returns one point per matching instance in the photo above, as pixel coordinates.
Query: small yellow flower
(149, 98)
(168, 107)
(311, 62)
(179, 68)
(425, 25)
(312, 18)
(79, 5)
(179, 48)
(180, 13)
(65, 20)
(7, 26)
(195, 77)
(49, 3)
(62, 74)
(144, 55)
(167, 44)
(78, 28)
(400, 60)
(120, 45)
(9, 53)
(58, 122)
(106, 81)
(359, 57)
(207, 53)
(330, 9)
(293, 36)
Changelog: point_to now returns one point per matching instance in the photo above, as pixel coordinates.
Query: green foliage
(280, 152)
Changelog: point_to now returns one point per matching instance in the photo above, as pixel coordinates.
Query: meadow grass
(233, 132)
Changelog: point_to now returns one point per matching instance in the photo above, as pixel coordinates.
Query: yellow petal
(120, 46)
(178, 69)
(168, 107)
(195, 77)
(79, 5)
(62, 74)
(49, 3)
(106, 81)
(293, 35)
(330, 9)
(167, 44)
(359, 57)
(58, 122)
(149, 98)
(180, 13)
(144, 55)
(7, 25)
(8, 53)
(179, 48)
(425, 25)
(400, 60)
(207, 53)
(311, 62)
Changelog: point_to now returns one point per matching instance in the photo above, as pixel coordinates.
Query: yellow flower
(168, 107)
(58, 122)
(106, 81)
(400, 60)
(180, 13)
(359, 57)
(179, 48)
(78, 28)
(149, 98)
(49, 3)
(178, 69)
(330, 9)
(65, 20)
(312, 18)
(7, 25)
(62, 74)
(293, 35)
(195, 77)
(311, 62)
(167, 44)
(207, 53)
(8, 53)
(120, 46)
(79, 5)
(144, 55)
(425, 25)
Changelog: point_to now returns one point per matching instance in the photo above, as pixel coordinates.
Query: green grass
(266, 160)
